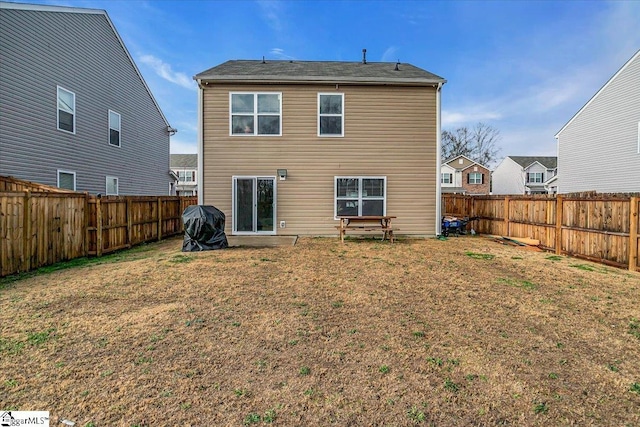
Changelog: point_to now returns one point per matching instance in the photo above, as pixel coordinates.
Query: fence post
(129, 221)
(159, 218)
(633, 234)
(98, 227)
(559, 206)
(506, 216)
(27, 232)
(86, 224)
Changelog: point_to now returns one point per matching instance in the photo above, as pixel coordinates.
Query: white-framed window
(114, 128)
(475, 178)
(67, 180)
(360, 195)
(535, 178)
(331, 114)
(111, 186)
(255, 113)
(187, 176)
(66, 110)
(446, 178)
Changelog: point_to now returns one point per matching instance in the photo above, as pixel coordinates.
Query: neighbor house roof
(550, 162)
(77, 10)
(184, 161)
(320, 71)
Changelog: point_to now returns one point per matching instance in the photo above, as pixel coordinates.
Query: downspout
(438, 162)
(200, 185)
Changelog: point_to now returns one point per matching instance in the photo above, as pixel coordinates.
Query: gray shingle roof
(320, 71)
(550, 162)
(184, 161)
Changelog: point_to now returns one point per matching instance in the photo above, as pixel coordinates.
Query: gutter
(438, 161)
(200, 185)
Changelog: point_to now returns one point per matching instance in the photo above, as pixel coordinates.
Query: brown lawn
(421, 332)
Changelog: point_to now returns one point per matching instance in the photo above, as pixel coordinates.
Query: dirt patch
(421, 332)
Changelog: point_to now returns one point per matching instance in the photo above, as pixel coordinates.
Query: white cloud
(452, 118)
(272, 11)
(182, 147)
(165, 71)
(389, 55)
(279, 53)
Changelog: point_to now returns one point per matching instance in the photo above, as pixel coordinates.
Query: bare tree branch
(478, 143)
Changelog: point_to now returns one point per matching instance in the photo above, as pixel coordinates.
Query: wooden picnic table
(366, 223)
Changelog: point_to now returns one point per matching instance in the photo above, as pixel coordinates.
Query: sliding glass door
(254, 205)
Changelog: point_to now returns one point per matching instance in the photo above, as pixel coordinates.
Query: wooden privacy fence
(602, 228)
(41, 228)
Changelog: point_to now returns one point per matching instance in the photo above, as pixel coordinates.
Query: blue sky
(523, 67)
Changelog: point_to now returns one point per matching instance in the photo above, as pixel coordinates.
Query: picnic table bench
(366, 223)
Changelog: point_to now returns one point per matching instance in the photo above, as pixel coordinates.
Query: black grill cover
(203, 229)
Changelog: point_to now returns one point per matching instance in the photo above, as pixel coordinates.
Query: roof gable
(184, 161)
(320, 71)
(549, 162)
(635, 57)
(453, 162)
(83, 11)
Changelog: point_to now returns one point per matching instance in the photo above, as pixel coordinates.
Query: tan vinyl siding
(389, 131)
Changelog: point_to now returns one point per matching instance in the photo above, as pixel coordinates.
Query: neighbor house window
(67, 180)
(360, 196)
(475, 178)
(446, 178)
(114, 128)
(256, 113)
(112, 186)
(66, 110)
(534, 177)
(186, 176)
(331, 114)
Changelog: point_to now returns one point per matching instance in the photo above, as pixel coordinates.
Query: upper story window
(361, 196)
(114, 128)
(256, 113)
(187, 176)
(112, 186)
(330, 114)
(446, 178)
(67, 180)
(66, 110)
(535, 177)
(475, 178)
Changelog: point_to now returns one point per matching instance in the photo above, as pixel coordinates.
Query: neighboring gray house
(185, 166)
(525, 175)
(599, 148)
(75, 111)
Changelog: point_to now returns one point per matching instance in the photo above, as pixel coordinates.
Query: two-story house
(75, 111)
(185, 166)
(525, 175)
(461, 175)
(599, 147)
(288, 147)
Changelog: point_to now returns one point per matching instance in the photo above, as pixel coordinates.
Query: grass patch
(476, 255)
(524, 284)
(554, 258)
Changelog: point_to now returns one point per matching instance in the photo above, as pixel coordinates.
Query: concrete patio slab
(261, 241)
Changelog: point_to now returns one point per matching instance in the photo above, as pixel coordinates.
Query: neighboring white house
(185, 166)
(599, 148)
(75, 112)
(525, 175)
